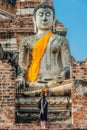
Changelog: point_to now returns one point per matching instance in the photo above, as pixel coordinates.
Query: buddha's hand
(65, 73)
(61, 78)
(20, 82)
(62, 75)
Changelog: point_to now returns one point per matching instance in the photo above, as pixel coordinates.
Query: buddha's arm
(65, 56)
(21, 62)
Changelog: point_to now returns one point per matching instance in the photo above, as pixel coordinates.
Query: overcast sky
(73, 14)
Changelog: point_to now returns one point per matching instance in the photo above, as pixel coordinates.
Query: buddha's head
(44, 16)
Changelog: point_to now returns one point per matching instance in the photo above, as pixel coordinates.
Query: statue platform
(59, 102)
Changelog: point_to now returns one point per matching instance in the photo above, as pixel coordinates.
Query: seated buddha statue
(45, 55)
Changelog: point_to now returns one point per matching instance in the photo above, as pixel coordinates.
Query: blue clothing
(43, 116)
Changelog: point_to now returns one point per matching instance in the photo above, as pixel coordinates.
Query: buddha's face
(44, 18)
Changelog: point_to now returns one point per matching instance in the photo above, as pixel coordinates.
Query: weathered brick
(79, 110)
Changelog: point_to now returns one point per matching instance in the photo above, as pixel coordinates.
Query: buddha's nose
(44, 18)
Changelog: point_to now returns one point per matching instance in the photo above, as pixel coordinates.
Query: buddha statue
(45, 55)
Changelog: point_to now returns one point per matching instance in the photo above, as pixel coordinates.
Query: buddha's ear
(54, 24)
(35, 26)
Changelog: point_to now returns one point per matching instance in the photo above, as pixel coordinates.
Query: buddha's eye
(48, 14)
(40, 14)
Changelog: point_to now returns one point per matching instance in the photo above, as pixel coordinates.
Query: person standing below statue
(44, 55)
(43, 106)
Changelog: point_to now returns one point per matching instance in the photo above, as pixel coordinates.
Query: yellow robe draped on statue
(37, 53)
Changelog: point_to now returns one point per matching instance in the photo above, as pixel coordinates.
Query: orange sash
(37, 53)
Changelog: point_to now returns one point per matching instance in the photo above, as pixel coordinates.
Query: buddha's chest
(52, 47)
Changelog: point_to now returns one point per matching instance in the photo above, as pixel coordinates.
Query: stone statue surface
(54, 59)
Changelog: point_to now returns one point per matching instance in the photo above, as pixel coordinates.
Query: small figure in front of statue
(43, 106)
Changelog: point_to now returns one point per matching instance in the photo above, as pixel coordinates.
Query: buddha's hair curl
(43, 5)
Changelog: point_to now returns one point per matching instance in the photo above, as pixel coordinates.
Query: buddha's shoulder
(31, 39)
(28, 40)
(59, 38)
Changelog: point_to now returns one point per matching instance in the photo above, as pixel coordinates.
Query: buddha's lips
(44, 23)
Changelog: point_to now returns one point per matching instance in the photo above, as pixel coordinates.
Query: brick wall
(7, 7)
(7, 94)
(79, 110)
(79, 69)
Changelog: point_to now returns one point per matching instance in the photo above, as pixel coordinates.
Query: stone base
(59, 109)
(59, 103)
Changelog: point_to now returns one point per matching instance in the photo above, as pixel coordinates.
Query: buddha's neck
(43, 31)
